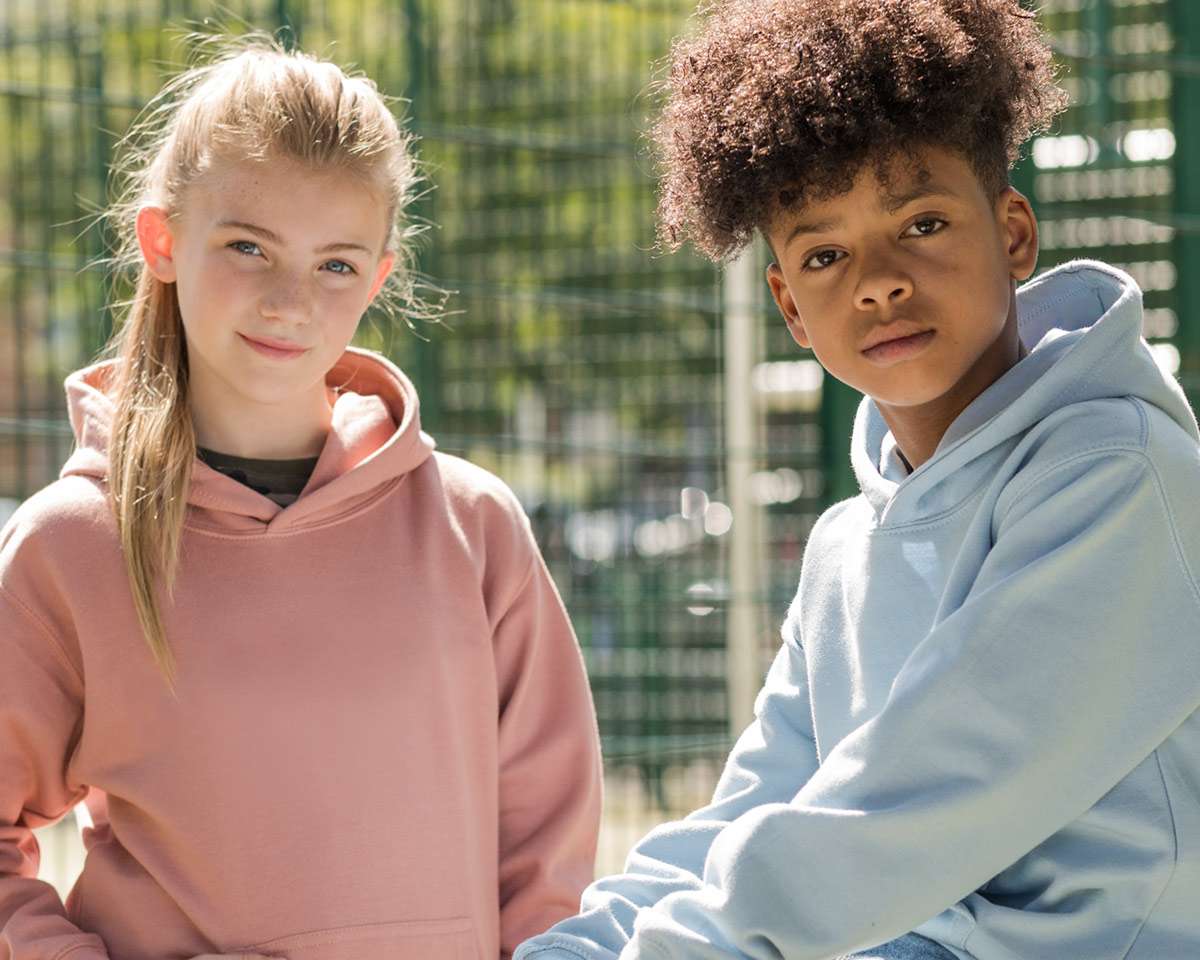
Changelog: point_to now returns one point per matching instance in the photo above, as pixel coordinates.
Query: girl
(311, 676)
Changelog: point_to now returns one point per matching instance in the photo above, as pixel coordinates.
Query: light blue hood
(982, 723)
(1082, 323)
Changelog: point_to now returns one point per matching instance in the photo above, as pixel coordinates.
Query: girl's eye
(822, 259)
(340, 267)
(926, 227)
(246, 247)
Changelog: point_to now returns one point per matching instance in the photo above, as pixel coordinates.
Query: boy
(980, 738)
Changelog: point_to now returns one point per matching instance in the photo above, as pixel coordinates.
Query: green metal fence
(1118, 179)
(581, 366)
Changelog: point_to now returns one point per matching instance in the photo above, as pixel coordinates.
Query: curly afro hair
(777, 102)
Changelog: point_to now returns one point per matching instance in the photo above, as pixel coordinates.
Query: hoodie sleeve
(40, 715)
(771, 761)
(1071, 658)
(550, 776)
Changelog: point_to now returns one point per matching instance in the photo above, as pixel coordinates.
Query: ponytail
(151, 451)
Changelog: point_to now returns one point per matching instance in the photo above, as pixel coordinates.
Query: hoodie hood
(1082, 325)
(375, 438)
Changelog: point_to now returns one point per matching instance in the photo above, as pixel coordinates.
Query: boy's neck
(918, 430)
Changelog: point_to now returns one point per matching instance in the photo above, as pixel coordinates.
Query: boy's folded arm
(771, 760)
(1069, 661)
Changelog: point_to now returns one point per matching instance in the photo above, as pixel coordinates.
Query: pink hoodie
(383, 745)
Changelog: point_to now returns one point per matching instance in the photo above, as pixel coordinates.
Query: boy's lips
(890, 347)
(895, 330)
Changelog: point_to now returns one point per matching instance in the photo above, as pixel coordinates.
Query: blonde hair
(248, 99)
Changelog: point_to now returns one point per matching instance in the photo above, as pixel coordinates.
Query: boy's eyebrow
(273, 237)
(812, 226)
(893, 203)
(897, 200)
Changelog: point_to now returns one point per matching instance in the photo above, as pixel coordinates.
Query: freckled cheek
(223, 308)
(335, 303)
(224, 281)
(339, 311)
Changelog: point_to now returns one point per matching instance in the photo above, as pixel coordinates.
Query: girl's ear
(381, 274)
(156, 242)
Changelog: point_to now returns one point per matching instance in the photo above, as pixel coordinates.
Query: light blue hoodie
(986, 696)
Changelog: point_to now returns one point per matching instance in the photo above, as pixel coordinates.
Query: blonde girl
(310, 676)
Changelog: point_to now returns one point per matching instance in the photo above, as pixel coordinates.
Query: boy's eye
(246, 247)
(341, 267)
(926, 226)
(822, 259)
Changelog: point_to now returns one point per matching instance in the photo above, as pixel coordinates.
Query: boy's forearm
(770, 762)
(659, 866)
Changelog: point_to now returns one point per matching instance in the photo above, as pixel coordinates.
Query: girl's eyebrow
(275, 238)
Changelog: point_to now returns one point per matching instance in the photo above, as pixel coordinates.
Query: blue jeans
(911, 946)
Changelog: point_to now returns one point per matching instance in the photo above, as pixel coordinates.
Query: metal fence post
(743, 350)
(422, 356)
(839, 403)
(1185, 116)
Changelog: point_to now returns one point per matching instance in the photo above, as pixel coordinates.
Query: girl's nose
(287, 300)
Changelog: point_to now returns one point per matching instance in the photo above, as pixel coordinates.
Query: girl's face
(273, 264)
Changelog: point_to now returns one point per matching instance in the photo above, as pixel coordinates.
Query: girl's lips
(893, 351)
(275, 350)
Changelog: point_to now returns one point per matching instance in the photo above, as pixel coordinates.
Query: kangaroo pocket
(450, 939)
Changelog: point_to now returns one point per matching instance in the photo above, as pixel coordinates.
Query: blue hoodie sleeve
(770, 762)
(1070, 659)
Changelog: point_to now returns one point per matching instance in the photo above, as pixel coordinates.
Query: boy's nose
(882, 289)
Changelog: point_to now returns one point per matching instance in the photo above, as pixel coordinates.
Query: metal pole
(839, 404)
(743, 349)
(422, 355)
(289, 33)
(1185, 94)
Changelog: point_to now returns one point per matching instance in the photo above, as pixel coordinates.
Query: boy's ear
(156, 242)
(381, 274)
(787, 306)
(1021, 231)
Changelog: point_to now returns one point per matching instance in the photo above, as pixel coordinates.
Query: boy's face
(905, 292)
